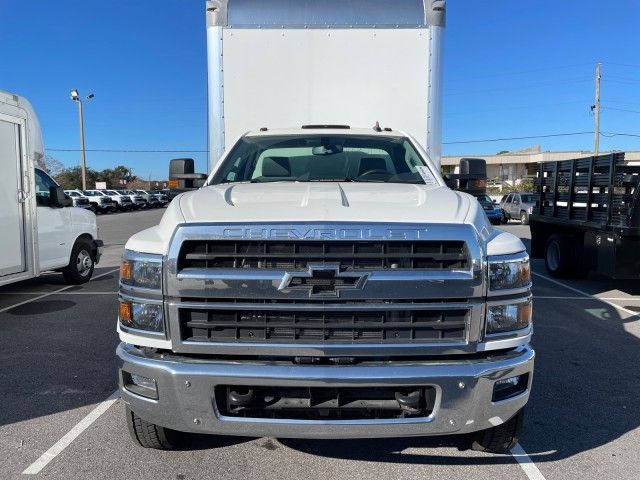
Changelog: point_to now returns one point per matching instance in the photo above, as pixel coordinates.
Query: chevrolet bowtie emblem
(323, 280)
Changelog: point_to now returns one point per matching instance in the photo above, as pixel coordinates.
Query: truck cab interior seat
(276, 167)
(371, 163)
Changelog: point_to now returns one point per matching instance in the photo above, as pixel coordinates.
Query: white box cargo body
(38, 232)
(17, 209)
(282, 63)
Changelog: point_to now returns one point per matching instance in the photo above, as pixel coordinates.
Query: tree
(71, 178)
(53, 166)
(116, 177)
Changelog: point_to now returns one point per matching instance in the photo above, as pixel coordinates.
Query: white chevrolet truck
(325, 281)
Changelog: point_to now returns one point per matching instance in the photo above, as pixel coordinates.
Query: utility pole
(596, 110)
(75, 96)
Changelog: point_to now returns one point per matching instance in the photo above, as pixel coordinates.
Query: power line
(457, 142)
(609, 134)
(522, 72)
(522, 87)
(622, 64)
(621, 109)
(529, 137)
(515, 107)
(108, 150)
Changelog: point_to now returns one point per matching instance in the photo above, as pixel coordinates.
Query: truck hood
(319, 202)
(324, 203)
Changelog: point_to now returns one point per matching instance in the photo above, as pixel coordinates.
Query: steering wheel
(374, 171)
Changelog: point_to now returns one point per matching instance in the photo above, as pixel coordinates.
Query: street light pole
(75, 96)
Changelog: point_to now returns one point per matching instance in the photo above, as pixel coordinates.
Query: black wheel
(524, 218)
(150, 435)
(499, 439)
(563, 257)
(81, 263)
(504, 219)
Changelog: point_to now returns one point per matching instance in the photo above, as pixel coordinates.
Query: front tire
(524, 218)
(150, 435)
(81, 263)
(499, 439)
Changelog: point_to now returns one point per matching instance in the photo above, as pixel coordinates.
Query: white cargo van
(40, 229)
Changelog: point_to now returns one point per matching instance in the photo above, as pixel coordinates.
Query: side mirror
(472, 176)
(59, 199)
(182, 177)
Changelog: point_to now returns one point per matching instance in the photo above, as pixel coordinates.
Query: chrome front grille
(301, 325)
(349, 255)
(324, 290)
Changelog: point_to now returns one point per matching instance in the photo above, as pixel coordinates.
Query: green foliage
(118, 177)
(523, 186)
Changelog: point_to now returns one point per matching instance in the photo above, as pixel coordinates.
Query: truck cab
(41, 229)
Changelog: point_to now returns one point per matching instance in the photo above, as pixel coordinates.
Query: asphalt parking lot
(57, 348)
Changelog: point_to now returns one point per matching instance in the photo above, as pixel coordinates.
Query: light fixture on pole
(75, 96)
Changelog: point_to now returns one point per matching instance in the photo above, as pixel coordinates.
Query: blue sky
(512, 68)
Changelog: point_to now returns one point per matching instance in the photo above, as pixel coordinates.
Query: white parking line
(58, 292)
(617, 299)
(65, 441)
(527, 465)
(603, 300)
(44, 295)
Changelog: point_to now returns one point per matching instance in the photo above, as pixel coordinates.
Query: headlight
(509, 317)
(530, 210)
(145, 272)
(509, 272)
(141, 316)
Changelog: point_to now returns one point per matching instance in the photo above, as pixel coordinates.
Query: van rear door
(12, 197)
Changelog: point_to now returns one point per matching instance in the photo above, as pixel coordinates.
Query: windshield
(92, 194)
(529, 198)
(319, 158)
(485, 199)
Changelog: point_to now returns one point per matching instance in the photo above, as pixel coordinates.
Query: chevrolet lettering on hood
(287, 233)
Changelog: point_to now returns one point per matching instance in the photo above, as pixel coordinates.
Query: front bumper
(463, 387)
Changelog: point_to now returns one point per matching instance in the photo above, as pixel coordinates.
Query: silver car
(517, 206)
(151, 199)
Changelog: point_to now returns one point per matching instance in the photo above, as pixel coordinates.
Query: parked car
(493, 211)
(152, 200)
(101, 203)
(79, 200)
(518, 206)
(163, 195)
(123, 202)
(137, 199)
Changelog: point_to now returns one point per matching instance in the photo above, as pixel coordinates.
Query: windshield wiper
(329, 180)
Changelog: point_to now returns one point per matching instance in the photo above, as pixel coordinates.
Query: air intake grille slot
(321, 327)
(350, 255)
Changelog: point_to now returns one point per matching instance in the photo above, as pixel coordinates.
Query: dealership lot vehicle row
(58, 350)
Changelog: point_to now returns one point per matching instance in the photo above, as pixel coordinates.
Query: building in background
(508, 169)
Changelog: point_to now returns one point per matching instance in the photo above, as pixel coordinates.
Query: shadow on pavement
(57, 352)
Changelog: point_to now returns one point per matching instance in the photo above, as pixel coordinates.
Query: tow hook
(238, 399)
(410, 402)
